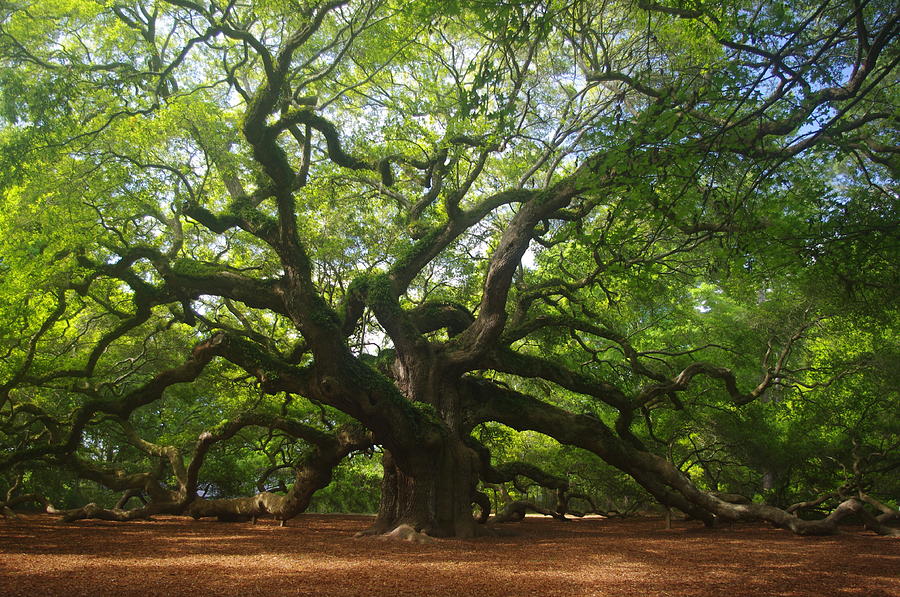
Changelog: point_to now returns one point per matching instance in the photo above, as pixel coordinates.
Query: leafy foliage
(660, 235)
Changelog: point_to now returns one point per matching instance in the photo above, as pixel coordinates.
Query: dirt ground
(318, 555)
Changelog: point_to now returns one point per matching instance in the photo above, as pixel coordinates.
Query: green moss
(242, 208)
(431, 310)
(359, 285)
(254, 357)
(366, 377)
(419, 248)
(423, 417)
(381, 363)
(385, 359)
(322, 314)
(196, 269)
(426, 410)
(381, 294)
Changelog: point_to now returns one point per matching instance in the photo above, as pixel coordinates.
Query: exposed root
(403, 532)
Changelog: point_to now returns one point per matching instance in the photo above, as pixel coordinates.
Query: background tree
(661, 233)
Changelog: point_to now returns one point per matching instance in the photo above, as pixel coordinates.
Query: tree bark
(431, 489)
(432, 492)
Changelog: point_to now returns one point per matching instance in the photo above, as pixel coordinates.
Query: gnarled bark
(432, 492)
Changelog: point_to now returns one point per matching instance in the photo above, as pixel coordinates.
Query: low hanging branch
(662, 479)
(509, 472)
(310, 474)
(151, 391)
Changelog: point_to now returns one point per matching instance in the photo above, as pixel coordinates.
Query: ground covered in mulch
(318, 555)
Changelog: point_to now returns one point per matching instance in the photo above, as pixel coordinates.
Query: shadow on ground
(318, 555)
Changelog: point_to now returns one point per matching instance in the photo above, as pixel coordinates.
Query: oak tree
(659, 232)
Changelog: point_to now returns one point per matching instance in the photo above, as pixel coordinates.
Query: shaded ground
(317, 555)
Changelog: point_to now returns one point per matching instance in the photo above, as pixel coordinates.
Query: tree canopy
(599, 247)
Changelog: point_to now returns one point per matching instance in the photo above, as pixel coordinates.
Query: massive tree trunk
(431, 492)
(430, 489)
